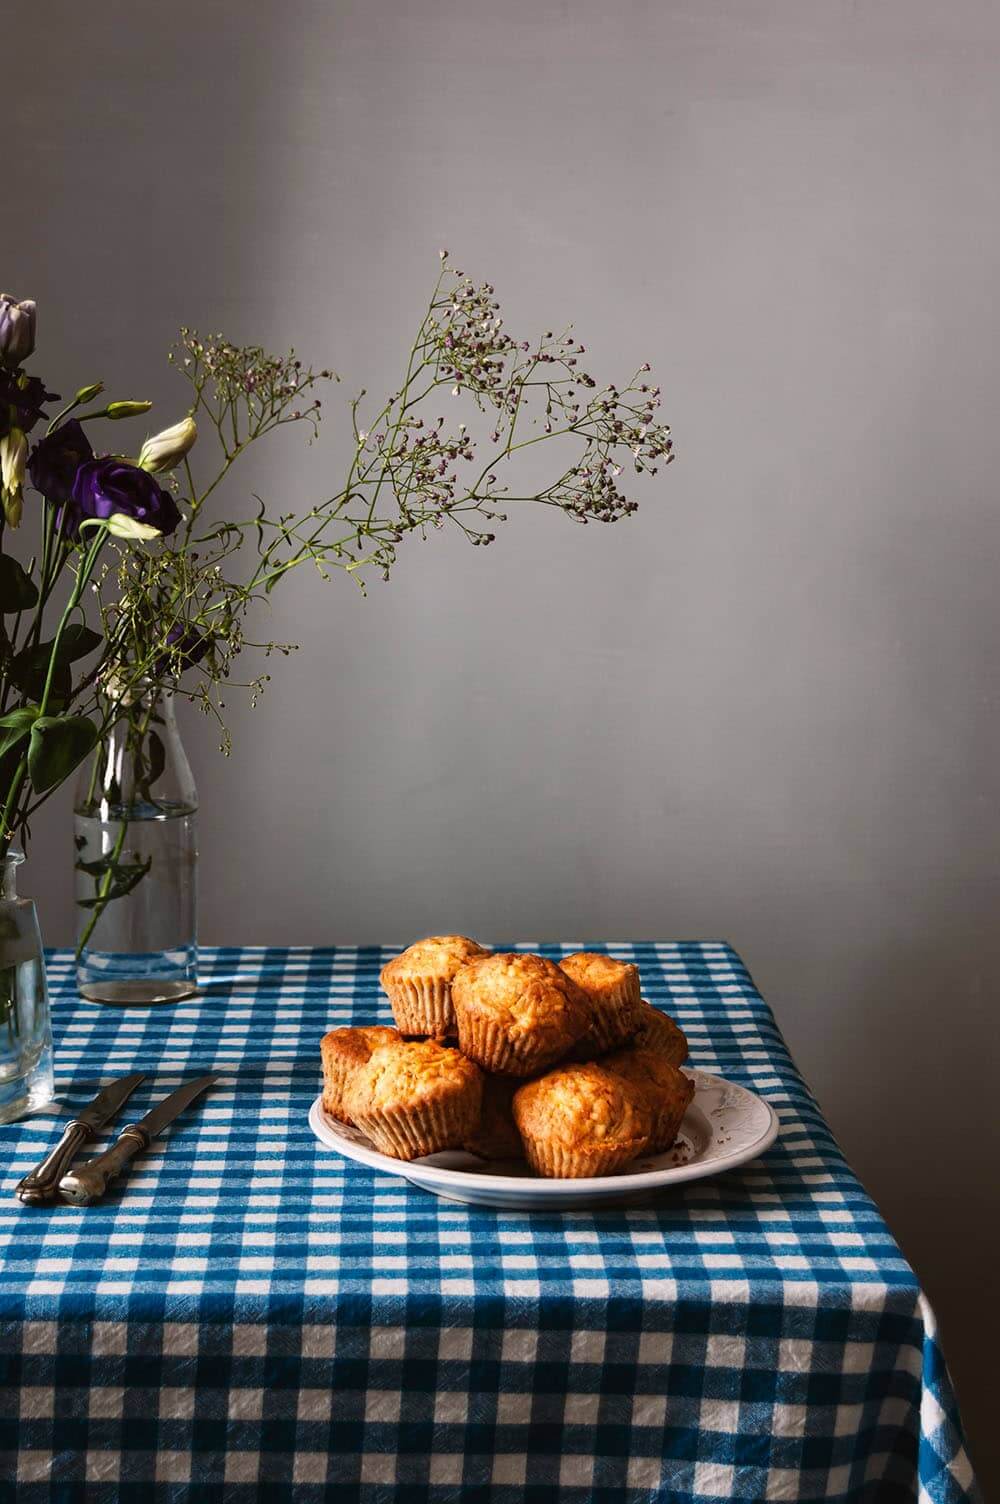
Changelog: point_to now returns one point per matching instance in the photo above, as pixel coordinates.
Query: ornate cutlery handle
(39, 1186)
(91, 1180)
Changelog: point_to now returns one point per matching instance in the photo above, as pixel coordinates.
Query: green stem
(82, 581)
(103, 888)
(135, 735)
(55, 557)
(18, 781)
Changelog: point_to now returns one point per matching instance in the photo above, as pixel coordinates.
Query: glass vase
(25, 1028)
(136, 858)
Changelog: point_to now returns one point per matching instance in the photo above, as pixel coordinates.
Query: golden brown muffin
(415, 1097)
(658, 1032)
(665, 1090)
(612, 988)
(516, 1014)
(496, 1135)
(581, 1120)
(418, 983)
(343, 1050)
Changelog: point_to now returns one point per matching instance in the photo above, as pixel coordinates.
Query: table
(254, 1317)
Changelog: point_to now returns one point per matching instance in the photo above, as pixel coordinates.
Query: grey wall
(766, 707)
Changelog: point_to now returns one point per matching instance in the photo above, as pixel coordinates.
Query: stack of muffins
(564, 1065)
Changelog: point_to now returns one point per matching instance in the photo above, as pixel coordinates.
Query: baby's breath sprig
(244, 394)
(415, 467)
(244, 391)
(414, 470)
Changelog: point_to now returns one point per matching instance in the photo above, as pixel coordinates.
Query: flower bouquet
(142, 584)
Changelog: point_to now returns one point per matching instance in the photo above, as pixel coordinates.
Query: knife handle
(91, 1180)
(39, 1186)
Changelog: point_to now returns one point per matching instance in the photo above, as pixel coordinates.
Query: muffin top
(581, 1106)
(356, 1045)
(523, 994)
(651, 1072)
(408, 1071)
(657, 1031)
(437, 956)
(597, 973)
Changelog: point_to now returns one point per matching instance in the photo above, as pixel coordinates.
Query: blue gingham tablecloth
(253, 1317)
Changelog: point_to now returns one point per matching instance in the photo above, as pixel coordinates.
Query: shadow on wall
(894, 1079)
(157, 214)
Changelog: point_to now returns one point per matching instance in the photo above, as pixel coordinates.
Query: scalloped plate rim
(448, 1182)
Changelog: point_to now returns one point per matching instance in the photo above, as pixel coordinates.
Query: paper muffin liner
(658, 1031)
(557, 1162)
(613, 1021)
(665, 1129)
(422, 1005)
(416, 1128)
(667, 1122)
(485, 1042)
(335, 1073)
(495, 1135)
(333, 1101)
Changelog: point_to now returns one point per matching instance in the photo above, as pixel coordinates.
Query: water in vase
(136, 859)
(137, 897)
(25, 1031)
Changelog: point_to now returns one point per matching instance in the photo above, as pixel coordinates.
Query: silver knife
(91, 1180)
(40, 1185)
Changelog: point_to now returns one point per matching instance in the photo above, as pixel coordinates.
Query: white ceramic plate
(724, 1126)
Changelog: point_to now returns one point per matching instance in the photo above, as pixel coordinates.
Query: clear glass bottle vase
(25, 1028)
(136, 858)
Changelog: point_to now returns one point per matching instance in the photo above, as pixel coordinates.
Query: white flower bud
(166, 450)
(124, 526)
(13, 462)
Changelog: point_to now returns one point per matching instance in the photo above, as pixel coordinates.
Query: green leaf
(125, 876)
(22, 716)
(58, 744)
(157, 758)
(29, 668)
(17, 590)
(15, 726)
(76, 642)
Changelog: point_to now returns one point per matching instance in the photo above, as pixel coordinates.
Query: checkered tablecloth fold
(252, 1317)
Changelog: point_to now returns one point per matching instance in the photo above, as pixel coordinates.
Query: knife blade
(91, 1180)
(40, 1185)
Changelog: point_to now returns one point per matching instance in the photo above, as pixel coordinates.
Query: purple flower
(186, 648)
(21, 401)
(55, 460)
(104, 488)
